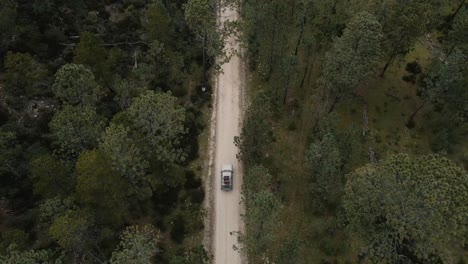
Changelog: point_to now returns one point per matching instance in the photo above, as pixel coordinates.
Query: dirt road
(227, 209)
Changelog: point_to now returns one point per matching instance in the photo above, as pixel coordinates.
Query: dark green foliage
(75, 84)
(445, 85)
(11, 167)
(413, 67)
(24, 76)
(256, 132)
(16, 238)
(160, 120)
(105, 56)
(262, 211)
(51, 177)
(326, 163)
(196, 255)
(408, 209)
(138, 244)
(353, 55)
(76, 128)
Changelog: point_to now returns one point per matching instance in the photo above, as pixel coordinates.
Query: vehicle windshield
(226, 179)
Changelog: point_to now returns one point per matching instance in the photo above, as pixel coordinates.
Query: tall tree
(100, 187)
(160, 120)
(402, 22)
(15, 256)
(325, 161)
(92, 53)
(456, 36)
(11, 169)
(51, 177)
(73, 231)
(408, 209)
(446, 85)
(352, 56)
(24, 75)
(137, 246)
(158, 24)
(8, 15)
(76, 128)
(201, 19)
(261, 222)
(256, 134)
(125, 155)
(75, 84)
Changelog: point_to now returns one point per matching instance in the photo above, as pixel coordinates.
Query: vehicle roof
(227, 167)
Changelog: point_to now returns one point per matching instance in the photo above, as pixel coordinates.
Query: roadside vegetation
(355, 138)
(101, 114)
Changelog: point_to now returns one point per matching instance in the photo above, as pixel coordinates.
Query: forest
(102, 124)
(354, 142)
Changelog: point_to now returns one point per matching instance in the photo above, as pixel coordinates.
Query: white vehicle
(226, 177)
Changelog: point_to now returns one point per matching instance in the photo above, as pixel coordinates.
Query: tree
(8, 25)
(352, 56)
(256, 179)
(125, 155)
(125, 91)
(15, 256)
(256, 134)
(51, 177)
(137, 246)
(75, 84)
(76, 128)
(160, 120)
(92, 53)
(200, 16)
(325, 161)
(11, 168)
(100, 187)
(196, 255)
(73, 231)
(52, 208)
(24, 75)
(407, 209)
(445, 85)
(455, 36)
(262, 219)
(402, 22)
(14, 237)
(158, 24)
(290, 250)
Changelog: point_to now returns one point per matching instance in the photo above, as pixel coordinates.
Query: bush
(413, 67)
(178, 230)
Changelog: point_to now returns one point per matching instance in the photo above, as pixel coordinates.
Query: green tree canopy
(446, 84)
(256, 134)
(101, 187)
(92, 53)
(16, 256)
(75, 84)
(262, 219)
(158, 24)
(125, 155)
(51, 177)
(408, 209)
(137, 246)
(8, 25)
(76, 128)
(325, 161)
(10, 167)
(353, 55)
(160, 119)
(24, 75)
(73, 230)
